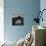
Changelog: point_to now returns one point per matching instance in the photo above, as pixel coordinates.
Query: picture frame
(19, 20)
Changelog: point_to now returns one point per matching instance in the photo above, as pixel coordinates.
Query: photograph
(18, 21)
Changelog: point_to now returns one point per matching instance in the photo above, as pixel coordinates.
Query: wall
(1, 20)
(26, 7)
(43, 6)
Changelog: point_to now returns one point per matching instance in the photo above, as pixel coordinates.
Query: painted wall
(1, 21)
(43, 6)
(26, 7)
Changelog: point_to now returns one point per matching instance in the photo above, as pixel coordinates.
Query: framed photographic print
(19, 20)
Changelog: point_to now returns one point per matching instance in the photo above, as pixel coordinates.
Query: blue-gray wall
(26, 7)
(43, 6)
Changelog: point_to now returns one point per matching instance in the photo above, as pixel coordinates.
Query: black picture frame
(19, 20)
